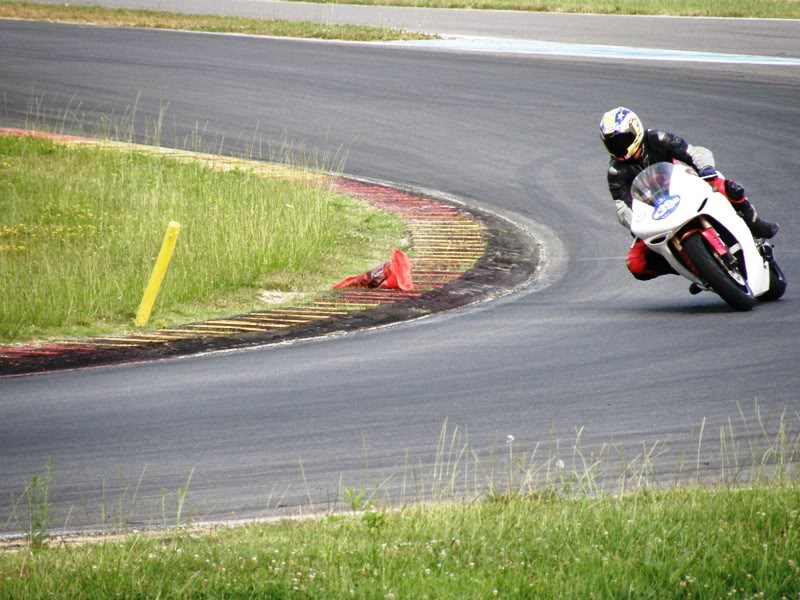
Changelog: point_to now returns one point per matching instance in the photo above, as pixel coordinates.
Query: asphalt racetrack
(284, 428)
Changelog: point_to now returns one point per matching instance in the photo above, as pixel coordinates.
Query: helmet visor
(619, 143)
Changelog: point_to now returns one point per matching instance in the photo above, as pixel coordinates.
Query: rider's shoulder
(659, 137)
(615, 166)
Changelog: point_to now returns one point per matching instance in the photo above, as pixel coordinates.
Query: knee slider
(733, 190)
(644, 276)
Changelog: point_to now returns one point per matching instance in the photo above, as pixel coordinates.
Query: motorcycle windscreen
(652, 185)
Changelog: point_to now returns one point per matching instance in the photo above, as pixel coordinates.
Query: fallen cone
(392, 275)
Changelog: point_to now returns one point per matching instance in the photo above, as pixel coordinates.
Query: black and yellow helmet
(622, 132)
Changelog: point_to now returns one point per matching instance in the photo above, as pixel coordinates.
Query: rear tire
(730, 285)
(777, 284)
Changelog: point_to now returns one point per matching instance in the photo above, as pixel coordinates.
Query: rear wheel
(728, 282)
(777, 283)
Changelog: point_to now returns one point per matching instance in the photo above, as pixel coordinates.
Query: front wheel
(728, 283)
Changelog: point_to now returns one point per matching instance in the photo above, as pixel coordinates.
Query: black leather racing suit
(657, 146)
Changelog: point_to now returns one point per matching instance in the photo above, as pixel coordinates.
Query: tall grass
(80, 228)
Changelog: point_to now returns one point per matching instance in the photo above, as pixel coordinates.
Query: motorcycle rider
(633, 148)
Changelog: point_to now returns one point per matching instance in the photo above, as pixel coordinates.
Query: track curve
(279, 427)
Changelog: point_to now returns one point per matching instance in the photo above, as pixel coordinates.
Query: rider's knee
(734, 191)
(637, 265)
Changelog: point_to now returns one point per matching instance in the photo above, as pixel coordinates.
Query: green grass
(685, 542)
(80, 228)
(770, 9)
(209, 23)
(774, 9)
(538, 525)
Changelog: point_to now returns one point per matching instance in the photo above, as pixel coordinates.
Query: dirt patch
(276, 297)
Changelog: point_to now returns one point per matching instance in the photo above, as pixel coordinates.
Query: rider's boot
(758, 227)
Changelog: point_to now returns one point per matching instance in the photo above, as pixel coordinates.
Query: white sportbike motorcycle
(680, 216)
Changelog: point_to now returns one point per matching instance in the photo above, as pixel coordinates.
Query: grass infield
(80, 228)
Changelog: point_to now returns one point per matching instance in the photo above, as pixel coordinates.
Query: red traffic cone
(392, 275)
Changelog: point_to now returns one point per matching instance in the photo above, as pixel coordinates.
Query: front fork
(702, 226)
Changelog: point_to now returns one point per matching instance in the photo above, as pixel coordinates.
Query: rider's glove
(708, 173)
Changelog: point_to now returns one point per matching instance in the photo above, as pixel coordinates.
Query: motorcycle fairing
(701, 209)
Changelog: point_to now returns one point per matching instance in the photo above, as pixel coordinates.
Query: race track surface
(586, 346)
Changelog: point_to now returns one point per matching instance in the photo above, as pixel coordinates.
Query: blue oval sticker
(665, 206)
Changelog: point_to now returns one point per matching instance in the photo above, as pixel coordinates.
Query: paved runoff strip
(533, 47)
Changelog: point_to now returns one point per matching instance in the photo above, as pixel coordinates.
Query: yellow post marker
(162, 263)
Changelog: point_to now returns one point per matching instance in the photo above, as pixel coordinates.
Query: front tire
(729, 284)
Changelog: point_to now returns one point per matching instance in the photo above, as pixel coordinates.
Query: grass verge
(545, 529)
(687, 542)
(98, 15)
(80, 228)
(773, 9)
